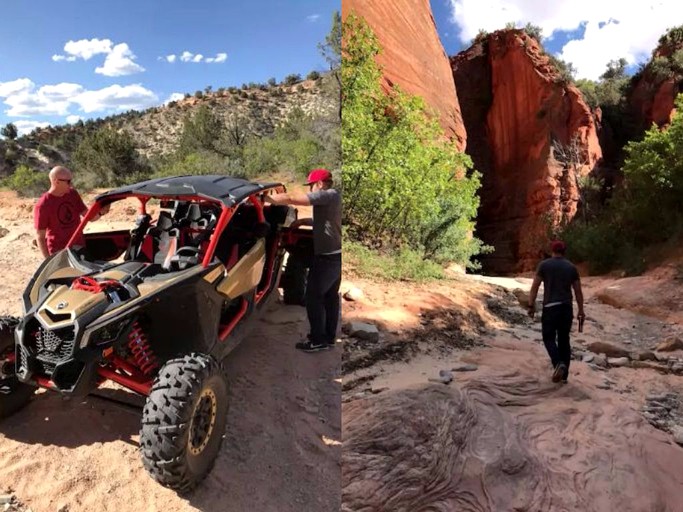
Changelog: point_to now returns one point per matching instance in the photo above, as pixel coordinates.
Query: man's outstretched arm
(294, 198)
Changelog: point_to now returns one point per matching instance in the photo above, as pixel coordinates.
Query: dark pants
(322, 297)
(556, 323)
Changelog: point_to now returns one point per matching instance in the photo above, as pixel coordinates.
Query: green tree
(534, 31)
(616, 70)
(26, 182)
(107, 158)
(272, 82)
(313, 75)
(404, 183)
(292, 79)
(9, 131)
(331, 49)
(201, 131)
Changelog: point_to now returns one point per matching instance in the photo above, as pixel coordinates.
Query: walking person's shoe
(559, 372)
(312, 346)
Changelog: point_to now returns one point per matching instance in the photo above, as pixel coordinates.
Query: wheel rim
(203, 421)
(6, 367)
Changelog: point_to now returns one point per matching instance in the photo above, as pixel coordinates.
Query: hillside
(254, 110)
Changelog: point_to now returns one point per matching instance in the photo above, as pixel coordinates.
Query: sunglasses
(65, 181)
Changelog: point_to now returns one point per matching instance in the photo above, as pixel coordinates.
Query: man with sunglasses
(324, 278)
(58, 212)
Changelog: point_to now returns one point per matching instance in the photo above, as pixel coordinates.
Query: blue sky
(587, 33)
(60, 60)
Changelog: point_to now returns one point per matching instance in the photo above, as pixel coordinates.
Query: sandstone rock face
(652, 97)
(412, 55)
(518, 113)
(653, 102)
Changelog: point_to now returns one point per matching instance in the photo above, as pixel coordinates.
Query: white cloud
(119, 62)
(60, 92)
(174, 97)
(218, 59)
(15, 87)
(313, 18)
(116, 97)
(24, 127)
(73, 119)
(191, 57)
(24, 100)
(632, 34)
(60, 58)
(87, 48)
(170, 58)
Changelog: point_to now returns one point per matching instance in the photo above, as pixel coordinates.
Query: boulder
(361, 330)
(609, 349)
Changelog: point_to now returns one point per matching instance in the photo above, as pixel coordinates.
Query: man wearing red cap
(558, 276)
(324, 278)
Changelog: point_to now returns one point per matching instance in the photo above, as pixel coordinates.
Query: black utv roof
(224, 189)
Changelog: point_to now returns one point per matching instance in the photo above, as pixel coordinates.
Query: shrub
(401, 177)
(106, 158)
(292, 79)
(26, 182)
(313, 75)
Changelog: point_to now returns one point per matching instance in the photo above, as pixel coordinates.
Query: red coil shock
(142, 351)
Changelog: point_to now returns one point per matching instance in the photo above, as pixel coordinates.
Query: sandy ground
(281, 450)
(504, 437)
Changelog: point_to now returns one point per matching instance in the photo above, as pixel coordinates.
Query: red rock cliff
(517, 110)
(412, 55)
(652, 97)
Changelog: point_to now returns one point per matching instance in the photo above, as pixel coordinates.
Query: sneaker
(558, 374)
(310, 346)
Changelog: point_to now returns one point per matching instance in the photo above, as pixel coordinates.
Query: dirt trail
(282, 446)
(503, 437)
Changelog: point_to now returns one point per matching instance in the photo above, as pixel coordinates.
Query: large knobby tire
(184, 420)
(14, 395)
(294, 279)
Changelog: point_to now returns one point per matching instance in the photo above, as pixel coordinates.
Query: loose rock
(600, 360)
(645, 355)
(587, 358)
(610, 350)
(362, 331)
(677, 432)
(465, 368)
(353, 294)
(670, 344)
(618, 361)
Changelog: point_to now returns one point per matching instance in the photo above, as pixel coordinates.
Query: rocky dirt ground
(448, 404)
(281, 450)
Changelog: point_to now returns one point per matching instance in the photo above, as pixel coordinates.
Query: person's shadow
(60, 420)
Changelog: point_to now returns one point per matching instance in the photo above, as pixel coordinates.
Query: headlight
(107, 333)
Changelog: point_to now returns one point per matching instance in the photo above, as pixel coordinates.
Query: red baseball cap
(558, 246)
(318, 175)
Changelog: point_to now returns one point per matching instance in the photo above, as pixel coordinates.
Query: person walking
(324, 279)
(58, 212)
(559, 276)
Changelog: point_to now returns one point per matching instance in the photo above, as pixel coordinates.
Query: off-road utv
(156, 309)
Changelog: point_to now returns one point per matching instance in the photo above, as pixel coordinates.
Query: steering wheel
(184, 261)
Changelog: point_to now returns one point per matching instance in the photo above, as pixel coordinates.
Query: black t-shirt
(558, 275)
